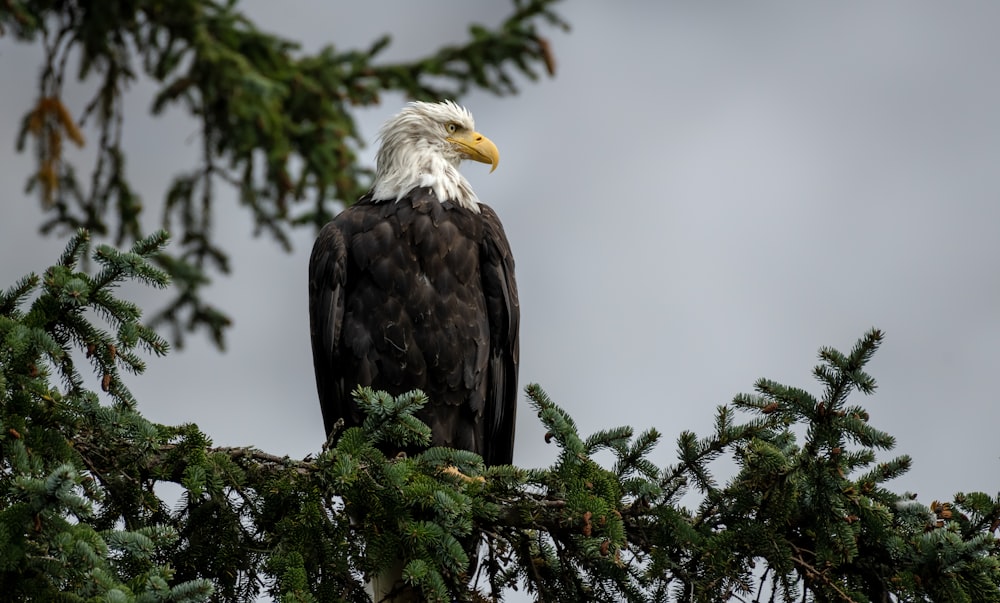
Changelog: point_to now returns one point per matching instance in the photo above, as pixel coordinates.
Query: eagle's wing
(497, 271)
(327, 273)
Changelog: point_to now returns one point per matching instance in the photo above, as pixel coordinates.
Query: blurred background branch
(275, 124)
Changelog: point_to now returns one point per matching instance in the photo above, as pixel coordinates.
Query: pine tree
(276, 124)
(807, 514)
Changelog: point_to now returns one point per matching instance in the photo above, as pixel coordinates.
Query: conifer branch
(812, 574)
(276, 124)
(575, 529)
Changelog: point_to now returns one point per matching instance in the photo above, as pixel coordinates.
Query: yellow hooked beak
(476, 147)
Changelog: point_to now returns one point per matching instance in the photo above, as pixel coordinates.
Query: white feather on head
(414, 151)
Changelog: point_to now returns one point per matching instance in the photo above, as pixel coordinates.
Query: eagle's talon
(454, 472)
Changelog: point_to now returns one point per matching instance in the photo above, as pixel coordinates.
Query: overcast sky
(705, 194)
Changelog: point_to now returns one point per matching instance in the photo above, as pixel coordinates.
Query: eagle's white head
(422, 146)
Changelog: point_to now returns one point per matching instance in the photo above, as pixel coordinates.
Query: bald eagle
(412, 287)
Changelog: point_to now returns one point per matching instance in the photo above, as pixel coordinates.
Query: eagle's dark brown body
(419, 294)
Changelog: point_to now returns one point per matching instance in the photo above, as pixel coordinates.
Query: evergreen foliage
(71, 526)
(808, 514)
(276, 124)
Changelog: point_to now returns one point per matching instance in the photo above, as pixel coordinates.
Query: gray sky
(704, 195)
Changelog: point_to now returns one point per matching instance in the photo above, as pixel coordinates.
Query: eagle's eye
(452, 128)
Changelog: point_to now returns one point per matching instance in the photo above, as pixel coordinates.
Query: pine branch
(81, 510)
(276, 124)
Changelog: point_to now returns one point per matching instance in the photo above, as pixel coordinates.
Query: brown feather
(419, 294)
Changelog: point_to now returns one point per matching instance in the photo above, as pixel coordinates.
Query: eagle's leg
(388, 587)
(453, 471)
